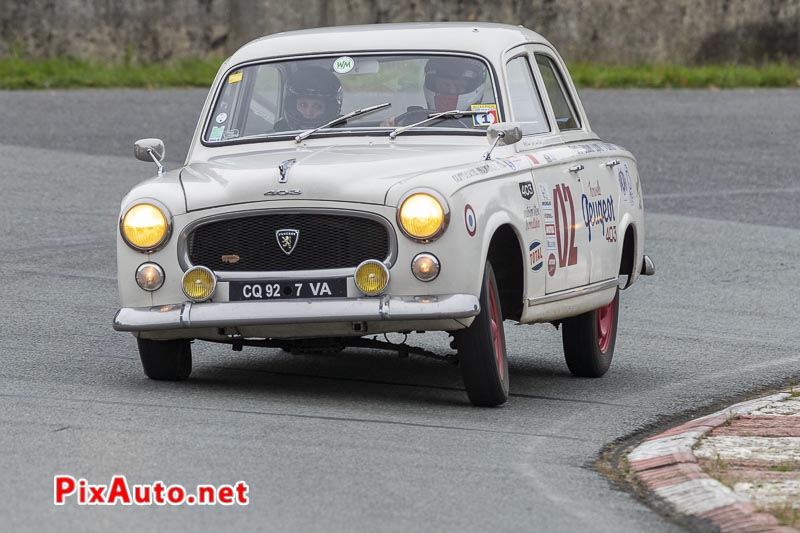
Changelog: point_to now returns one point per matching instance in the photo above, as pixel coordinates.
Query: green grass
(17, 73)
(663, 76)
(20, 73)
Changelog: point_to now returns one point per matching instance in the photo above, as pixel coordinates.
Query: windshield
(273, 100)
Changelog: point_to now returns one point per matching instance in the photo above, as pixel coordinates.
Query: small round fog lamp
(372, 277)
(150, 276)
(425, 267)
(199, 283)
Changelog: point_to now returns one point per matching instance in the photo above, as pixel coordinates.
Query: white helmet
(454, 83)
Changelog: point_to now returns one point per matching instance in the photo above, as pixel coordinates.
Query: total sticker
(487, 118)
(344, 64)
(470, 221)
(222, 117)
(536, 256)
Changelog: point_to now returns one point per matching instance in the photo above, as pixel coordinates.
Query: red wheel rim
(605, 325)
(496, 322)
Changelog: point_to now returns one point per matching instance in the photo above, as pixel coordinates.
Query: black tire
(166, 360)
(482, 349)
(589, 340)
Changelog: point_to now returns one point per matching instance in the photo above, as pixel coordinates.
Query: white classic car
(340, 186)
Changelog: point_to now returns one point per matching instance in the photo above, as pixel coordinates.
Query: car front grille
(324, 241)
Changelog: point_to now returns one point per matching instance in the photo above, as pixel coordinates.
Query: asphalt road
(365, 441)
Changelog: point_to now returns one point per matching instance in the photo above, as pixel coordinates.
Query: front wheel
(166, 360)
(482, 349)
(589, 340)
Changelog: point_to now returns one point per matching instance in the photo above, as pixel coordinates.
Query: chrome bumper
(230, 314)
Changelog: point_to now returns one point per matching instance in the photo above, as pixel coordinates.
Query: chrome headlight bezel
(167, 216)
(445, 214)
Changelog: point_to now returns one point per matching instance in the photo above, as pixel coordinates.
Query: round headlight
(145, 227)
(371, 277)
(199, 283)
(425, 267)
(422, 216)
(150, 276)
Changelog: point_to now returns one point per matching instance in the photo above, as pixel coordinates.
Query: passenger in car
(313, 97)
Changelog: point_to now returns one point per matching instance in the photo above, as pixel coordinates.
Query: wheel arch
(505, 253)
(629, 254)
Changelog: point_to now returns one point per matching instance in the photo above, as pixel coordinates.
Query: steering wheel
(417, 115)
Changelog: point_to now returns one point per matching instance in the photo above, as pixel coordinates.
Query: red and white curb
(666, 465)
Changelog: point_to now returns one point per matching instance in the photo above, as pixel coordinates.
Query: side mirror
(503, 134)
(150, 150)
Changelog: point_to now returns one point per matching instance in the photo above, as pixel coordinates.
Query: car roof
(486, 39)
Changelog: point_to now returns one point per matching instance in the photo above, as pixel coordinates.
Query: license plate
(287, 289)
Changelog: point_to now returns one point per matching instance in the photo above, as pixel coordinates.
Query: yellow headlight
(145, 227)
(199, 284)
(422, 216)
(371, 277)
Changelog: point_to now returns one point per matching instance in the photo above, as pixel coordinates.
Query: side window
(556, 90)
(526, 104)
(264, 104)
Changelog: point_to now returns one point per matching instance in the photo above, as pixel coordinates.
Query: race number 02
(565, 226)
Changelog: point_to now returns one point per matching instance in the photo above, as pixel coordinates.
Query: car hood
(361, 174)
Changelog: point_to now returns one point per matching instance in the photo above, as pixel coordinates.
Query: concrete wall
(616, 31)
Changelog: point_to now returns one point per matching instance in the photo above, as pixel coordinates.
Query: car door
(559, 184)
(598, 206)
(536, 206)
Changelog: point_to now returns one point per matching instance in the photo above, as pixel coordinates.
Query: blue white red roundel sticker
(470, 220)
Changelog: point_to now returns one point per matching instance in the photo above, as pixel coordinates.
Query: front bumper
(283, 312)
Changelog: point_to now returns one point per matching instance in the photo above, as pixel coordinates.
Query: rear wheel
(589, 340)
(482, 349)
(166, 360)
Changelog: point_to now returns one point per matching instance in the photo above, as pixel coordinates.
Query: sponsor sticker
(627, 191)
(550, 229)
(549, 217)
(344, 64)
(532, 158)
(532, 218)
(222, 117)
(551, 244)
(536, 256)
(551, 265)
(470, 221)
(216, 133)
(481, 170)
(507, 162)
(543, 194)
(597, 213)
(236, 77)
(526, 189)
(486, 119)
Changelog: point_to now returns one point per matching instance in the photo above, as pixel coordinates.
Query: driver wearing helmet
(454, 83)
(450, 83)
(313, 98)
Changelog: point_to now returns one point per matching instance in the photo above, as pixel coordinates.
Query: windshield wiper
(454, 113)
(339, 120)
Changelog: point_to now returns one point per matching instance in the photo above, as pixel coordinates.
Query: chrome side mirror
(503, 134)
(150, 150)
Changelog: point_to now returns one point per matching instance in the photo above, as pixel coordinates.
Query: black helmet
(312, 82)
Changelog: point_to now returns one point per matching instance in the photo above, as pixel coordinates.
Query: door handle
(612, 163)
(576, 168)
